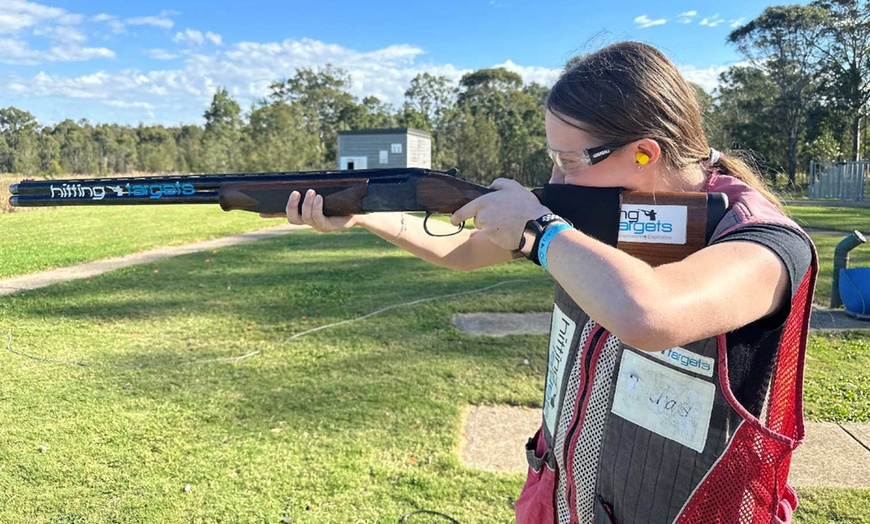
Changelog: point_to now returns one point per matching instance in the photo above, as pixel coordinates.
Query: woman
(672, 392)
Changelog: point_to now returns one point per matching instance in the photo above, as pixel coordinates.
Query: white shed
(382, 148)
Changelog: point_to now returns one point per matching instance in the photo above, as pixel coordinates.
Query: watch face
(546, 219)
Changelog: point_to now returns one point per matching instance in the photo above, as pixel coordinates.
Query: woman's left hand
(502, 214)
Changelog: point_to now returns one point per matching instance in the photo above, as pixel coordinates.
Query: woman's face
(572, 162)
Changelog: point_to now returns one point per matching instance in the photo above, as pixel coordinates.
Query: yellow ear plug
(642, 158)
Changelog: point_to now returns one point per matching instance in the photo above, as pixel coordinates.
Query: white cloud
(687, 17)
(112, 21)
(189, 35)
(644, 21)
(118, 25)
(14, 51)
(161, 54)
(127, 105)
(713, 21)
(61, 33)
(196, 37)
(246, 69)
(16, 15)
(25, 22)
(707, 78)
(76, 54)
(179, 93)
(736, 23)
(540, 75)
(161, 21)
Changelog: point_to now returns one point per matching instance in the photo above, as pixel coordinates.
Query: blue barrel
(855, 290)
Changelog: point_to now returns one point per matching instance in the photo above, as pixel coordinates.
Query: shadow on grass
(264, 283)
(408, 365)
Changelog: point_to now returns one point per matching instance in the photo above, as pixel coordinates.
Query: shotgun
(656, 227)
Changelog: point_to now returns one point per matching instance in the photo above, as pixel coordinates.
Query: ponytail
(740, 166)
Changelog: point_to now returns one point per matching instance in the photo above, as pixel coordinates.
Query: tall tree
(477, 147)
(498, 96)
(189, 141)
(370, 114)
(743, 116)
(780, 43)
(49, 153)
(78, 151)
(157, 151)
(485, 90)
(428, 102)
(846, 50)
(18, 141)
(276, 139)
(428, 96)
(323, 97)
(223, 133)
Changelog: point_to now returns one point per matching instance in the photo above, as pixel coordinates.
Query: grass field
(134, 406)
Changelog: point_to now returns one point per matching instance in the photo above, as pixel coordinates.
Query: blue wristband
(548, 235)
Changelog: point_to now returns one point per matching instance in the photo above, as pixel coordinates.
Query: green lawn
(356, 423)
(846, 219)
(837, 384)
(59, 237)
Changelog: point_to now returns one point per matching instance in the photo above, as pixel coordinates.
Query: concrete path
(832, 455)
(493, 438)
(47, 278)
(500, 324)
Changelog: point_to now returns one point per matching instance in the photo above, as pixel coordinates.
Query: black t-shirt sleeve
(752, 348)
(790, 246)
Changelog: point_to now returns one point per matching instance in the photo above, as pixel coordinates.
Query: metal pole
(841, 261)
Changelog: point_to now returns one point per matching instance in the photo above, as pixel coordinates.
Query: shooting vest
(635, 437)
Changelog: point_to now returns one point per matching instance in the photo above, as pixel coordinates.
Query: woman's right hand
(312, 214)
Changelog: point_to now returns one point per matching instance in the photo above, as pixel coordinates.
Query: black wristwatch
(534, 229)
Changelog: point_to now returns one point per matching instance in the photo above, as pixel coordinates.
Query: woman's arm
(715, 290)
(464, 251)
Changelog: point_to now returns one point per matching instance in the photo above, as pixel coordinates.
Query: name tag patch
(682, 358)
(663, 400)
(561, 334)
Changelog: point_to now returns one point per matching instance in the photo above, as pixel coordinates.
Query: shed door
(353, 162)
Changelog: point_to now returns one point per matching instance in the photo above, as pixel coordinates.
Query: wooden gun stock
(703, 211)
(657, 228)
(340, 197)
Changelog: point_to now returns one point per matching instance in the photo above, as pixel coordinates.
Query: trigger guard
(431, 234)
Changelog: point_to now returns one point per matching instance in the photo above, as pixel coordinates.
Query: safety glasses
(572, 162)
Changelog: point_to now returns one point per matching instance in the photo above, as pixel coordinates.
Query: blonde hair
(631, 90)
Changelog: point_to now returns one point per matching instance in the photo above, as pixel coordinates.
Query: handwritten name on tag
(664, 400)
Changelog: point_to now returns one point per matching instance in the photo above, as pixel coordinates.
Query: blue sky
(161, 61)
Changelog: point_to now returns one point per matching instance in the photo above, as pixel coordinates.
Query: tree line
(802, 94)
